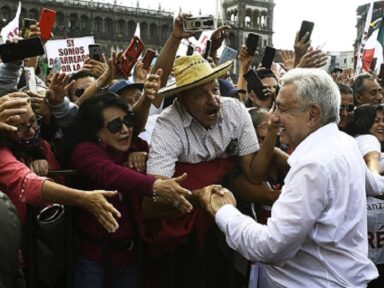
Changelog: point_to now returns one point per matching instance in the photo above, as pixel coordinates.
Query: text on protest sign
(72, 52)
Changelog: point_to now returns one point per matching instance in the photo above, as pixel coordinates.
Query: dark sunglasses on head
(348, 107)
(115, 125)
(79, 92)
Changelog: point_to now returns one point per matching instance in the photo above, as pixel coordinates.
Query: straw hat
(192, 71)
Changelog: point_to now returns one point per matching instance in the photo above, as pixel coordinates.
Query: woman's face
(377, 127)
(117, 130)
(27, 125)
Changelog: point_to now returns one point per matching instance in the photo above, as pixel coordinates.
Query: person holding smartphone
(270, 85)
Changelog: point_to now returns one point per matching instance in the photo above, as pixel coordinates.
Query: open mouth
(212, 113)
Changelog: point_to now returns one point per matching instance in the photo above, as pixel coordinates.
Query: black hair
(357, 85)
(344, 89)
(265, 73)
(363, 119)
(90, 117)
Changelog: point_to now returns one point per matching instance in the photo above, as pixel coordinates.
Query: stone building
(246, 16)
(112, 25)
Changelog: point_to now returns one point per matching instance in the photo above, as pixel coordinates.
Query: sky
(335, 20)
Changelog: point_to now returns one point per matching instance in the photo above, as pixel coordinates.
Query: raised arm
(168, 53)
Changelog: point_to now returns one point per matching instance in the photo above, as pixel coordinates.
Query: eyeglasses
(34, 123)
(79, 92)
(348, 107)
(115, 125)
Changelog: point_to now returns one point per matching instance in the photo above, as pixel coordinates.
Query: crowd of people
(180, 176)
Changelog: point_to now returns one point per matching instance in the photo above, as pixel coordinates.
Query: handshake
(213, 197)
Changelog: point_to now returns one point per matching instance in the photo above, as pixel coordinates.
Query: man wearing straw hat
(203, 135)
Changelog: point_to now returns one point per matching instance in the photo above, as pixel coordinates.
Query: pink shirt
(19, 183)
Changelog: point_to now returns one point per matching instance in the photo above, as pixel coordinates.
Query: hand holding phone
(27, 23)
(25, 48)
(46, 22)
(130, 56)
(196, 24)
(95, 52)
(252, 43)
(254, 84)
(306, 26)
(148, 57)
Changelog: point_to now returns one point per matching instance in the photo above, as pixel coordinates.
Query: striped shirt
(178, 137)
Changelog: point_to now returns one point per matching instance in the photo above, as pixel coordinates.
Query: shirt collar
(311, 140)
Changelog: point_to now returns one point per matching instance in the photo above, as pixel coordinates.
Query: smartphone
(30, 79)
(46, 22)
(132, 53)
(227, 54)
(27, 23)
(95, 52)
(306, 26)
(190, 49)
(381, 73)
(254, 84)
(148, 57)
(252, 43)
(25, 48)
(207, 50)
(195, 24)
(56, 67)
(269, 54)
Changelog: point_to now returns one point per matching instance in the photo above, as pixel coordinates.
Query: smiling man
(317, 234)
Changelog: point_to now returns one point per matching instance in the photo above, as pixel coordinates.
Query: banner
(71, 51)
(12, 28)
(375, 211)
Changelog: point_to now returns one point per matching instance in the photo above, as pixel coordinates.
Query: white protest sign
(375, 211)
(71, 51)
(199, 44)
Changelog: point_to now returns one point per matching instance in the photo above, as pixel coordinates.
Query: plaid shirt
(178, 137)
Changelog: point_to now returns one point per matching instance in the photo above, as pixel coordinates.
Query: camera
(199, 24)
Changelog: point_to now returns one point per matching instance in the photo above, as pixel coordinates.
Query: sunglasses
(79, 92)
(115, 125)
(348, 107)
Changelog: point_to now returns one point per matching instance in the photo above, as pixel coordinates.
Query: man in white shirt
(317, 234)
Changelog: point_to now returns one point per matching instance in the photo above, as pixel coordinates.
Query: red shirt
(101, 168)
(18, 181)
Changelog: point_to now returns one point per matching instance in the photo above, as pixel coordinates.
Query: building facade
(248, 16)
(112, 25)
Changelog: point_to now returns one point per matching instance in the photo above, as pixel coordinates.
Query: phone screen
(25, 48)
(269, 54)
(254, 84)
(306, 26)
(252, 43)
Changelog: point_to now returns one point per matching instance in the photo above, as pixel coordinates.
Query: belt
(113, 244)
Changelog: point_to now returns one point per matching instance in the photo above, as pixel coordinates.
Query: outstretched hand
(97, 204)
(171, 191)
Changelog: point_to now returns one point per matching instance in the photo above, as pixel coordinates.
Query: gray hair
(315, 86)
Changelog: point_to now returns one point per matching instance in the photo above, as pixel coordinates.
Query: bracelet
(155, 196)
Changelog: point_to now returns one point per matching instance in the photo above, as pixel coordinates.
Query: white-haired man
(317, 234)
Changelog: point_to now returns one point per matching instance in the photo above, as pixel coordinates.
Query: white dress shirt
(317, 234)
